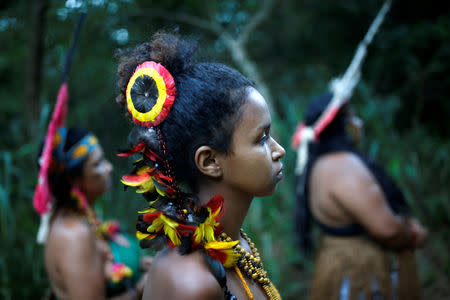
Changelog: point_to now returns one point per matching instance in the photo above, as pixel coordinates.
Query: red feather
(185, 230)
(170, 96)
(42, 197)
(150, 154)
(296, 138)
(135, 178)
(215, 202)
(218, 255)
(170, 243)
(329, 116)
(135, 149)
(150, 217)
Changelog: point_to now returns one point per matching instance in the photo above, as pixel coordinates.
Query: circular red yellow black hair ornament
(150, 94)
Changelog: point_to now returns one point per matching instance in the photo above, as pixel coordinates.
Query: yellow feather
(147, 186)
(130, 183)
(141, 235)
(170, 230)
(148, 210)
(227, 248)
(159, 191)
(218, 245)
(156, 225)
(142, 170)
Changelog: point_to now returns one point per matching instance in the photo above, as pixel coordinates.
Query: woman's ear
(208, 162)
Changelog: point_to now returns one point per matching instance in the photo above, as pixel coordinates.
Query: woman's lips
(280, 175)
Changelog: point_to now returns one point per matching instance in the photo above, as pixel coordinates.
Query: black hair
(207, 108)
(331, 138)
(59, 181)
(207, 103)
(337, 126)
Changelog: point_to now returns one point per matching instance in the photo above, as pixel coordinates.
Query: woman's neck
(236, 206)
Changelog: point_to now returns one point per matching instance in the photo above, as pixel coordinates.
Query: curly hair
(206, 108)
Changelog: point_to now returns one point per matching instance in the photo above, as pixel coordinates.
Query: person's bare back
(72, 254)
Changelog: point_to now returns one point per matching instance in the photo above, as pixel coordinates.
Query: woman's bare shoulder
(71, 245)
(70, 227)
(71, 233)
(339, 167)
(337, 160)
(176, 276)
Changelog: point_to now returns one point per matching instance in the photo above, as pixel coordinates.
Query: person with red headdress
(367, 234)
(361, 213)
(84, 257)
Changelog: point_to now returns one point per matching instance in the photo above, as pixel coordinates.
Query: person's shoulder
(71, 230)
(342, 171)
(183, 276)
(339, 163)
(339, 159)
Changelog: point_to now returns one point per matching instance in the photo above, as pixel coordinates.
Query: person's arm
(134, 293)
(358, 194)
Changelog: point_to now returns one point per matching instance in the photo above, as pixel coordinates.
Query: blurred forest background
(291, 48)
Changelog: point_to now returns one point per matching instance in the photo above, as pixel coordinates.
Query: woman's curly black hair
(206, 107)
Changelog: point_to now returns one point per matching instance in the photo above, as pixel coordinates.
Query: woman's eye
(264, 138)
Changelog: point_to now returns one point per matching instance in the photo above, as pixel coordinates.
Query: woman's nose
(109, 166)
(278, 151)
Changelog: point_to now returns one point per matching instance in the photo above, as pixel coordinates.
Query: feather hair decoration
(342, 90)
(42, 195)
(342, 87)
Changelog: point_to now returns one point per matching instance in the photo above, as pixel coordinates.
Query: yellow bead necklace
(251, 265)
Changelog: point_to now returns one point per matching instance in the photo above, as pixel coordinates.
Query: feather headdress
(341, 89)
(42, 194)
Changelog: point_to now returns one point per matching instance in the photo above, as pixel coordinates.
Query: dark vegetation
(290, 48)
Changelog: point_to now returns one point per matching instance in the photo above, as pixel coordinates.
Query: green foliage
(297, 49)
(419, 163)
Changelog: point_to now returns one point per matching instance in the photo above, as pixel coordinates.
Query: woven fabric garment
(357, 268)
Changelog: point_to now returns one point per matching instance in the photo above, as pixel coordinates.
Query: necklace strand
(252, 266)
(247, 289)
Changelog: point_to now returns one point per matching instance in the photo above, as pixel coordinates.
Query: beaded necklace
(251, 265)
(104, 231)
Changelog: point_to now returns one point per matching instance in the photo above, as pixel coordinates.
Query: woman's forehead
(96, 154)
(255, 115)
(255, 108)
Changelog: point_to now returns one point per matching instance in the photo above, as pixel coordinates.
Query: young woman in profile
(203, 134)
(84, 257)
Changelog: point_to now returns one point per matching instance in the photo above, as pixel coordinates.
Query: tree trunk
(249, 68)
(34, 66)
